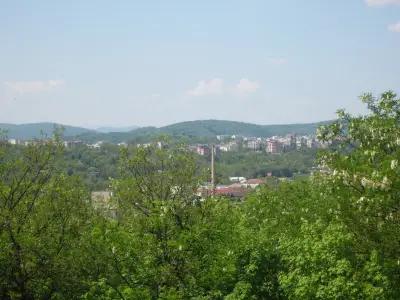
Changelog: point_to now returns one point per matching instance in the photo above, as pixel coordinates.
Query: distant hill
(139, 134)
(220, 127)
(116, 129)
(204, 128)
(38, 130)
(191, 130)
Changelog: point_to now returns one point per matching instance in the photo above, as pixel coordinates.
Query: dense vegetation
(252, 164)
(96, 166)
(334, 235)
(220, 127)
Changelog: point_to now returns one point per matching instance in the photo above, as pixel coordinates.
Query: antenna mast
(212, 170)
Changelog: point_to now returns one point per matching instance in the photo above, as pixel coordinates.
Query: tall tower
(212, 169)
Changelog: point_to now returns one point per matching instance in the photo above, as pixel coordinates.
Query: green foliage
(322, 264)
(94, 166)
(252, 164)
(332, 235)
(166, 243)
(336, 234)
(43, 215)
(363, 173)
(220, 127)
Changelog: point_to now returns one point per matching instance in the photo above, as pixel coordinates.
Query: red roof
(255, 181)
(231, 191)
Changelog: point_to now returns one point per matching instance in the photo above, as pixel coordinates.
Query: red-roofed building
(233, 192)
(203, 150)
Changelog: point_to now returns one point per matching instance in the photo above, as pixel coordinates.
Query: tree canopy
(331, 235)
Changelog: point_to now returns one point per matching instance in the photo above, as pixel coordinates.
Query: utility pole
(212, 170)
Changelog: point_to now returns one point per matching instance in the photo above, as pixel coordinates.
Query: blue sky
(117, 63)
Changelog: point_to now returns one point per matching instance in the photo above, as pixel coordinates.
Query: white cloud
(394, 27)
(246, 86)
(36, 86)
(381, 2)
(213, 86)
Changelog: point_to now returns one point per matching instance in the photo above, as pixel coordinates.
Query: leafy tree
(336, 234)
(332, 235)
(364, 171)
(323, 264)
(43, 214)
(166, 243)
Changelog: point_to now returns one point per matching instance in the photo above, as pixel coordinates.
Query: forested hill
(205, 128)
(220, 127)
(190, 129)
(38, 130)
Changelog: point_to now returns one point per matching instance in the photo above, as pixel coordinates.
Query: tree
(43, 214)
(363, 170)
(167, 243)
(336, 234)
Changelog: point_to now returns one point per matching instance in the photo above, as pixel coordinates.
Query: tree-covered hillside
(39, 130)
(204, 129)
(221, 127)
(201, 130)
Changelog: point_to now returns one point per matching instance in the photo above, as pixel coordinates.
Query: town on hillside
(237, 186)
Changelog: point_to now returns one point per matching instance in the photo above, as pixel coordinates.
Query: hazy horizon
(150, 63)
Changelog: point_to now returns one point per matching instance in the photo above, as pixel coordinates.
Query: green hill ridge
(188, 129)
(39, 130)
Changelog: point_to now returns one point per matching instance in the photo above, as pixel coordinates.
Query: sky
(153, 63)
